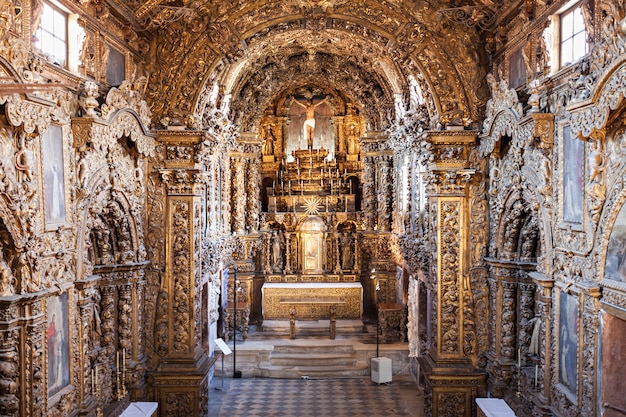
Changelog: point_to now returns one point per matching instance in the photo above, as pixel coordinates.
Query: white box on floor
(381, 370)
(493, 407)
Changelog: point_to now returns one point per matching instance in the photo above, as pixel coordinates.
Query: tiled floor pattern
(258, 397)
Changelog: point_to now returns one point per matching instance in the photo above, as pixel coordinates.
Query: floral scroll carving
(449, 287)
(181, 305)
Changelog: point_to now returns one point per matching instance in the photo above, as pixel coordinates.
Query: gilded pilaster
(369, 198)
(181, 378)
(225, 175)
(239, 194)
(340, 135)
(591, 341)
(287, 253)
(253, 204)
(452, 380)
(9, 356)
(544, 313)
(384, 192)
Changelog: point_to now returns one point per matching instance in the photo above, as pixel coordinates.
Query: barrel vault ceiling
(376, 56)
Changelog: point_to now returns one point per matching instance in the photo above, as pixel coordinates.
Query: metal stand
(224, 350)
(236, 373)
(374, 276)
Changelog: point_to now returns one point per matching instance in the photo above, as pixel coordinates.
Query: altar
(312, 300)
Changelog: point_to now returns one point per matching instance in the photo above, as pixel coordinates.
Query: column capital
(451, 149)
(184, 148)
(184, 181)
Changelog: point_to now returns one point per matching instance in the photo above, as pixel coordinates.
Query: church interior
(451, 170)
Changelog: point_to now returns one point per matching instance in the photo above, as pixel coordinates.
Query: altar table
(312, 300)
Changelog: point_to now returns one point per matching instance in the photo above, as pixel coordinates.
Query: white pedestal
(493, 407)
(141, 409)
(381, 370)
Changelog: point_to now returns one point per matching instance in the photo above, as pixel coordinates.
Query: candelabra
(120, 376)
(519, 372)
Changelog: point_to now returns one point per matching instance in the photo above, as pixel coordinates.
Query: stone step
(359, 369)
(312, 327)
(313, 349)
(314, 359)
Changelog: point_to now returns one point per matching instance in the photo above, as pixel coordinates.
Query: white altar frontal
(312, 300)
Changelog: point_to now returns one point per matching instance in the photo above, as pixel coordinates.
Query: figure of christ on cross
(309, 123)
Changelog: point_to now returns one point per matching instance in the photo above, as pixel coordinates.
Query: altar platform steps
(275, 355)
(310, 361)
(305, 328)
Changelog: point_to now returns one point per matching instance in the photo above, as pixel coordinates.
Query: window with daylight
(573, 36)
(52, 33)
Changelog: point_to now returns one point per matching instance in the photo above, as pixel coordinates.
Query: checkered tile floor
(316, 398)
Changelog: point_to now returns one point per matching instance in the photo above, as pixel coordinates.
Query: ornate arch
(615, 193)
(107, 197)
(109, 231)
(608, 95)
(504, 112)
(405, 41)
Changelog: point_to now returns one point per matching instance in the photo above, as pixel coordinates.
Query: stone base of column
(181, 387)
(451, 389)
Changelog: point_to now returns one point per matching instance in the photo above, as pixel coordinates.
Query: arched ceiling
(261, 52)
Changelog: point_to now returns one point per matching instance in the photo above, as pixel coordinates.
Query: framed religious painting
(568, 341)
(53, 177)
(57, 341)
(115, 68)
(615, 262)
(517, 69)
(573, 154)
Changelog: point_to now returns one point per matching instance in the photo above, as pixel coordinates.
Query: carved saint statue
(268, 144)
(347, 259)
(353, 138)
(309, 123)
(277, 258)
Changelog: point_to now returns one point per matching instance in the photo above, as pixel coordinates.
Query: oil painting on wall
(568, 341)
(53, 177)
(58, 344)
(615, 266)
(573, 150)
